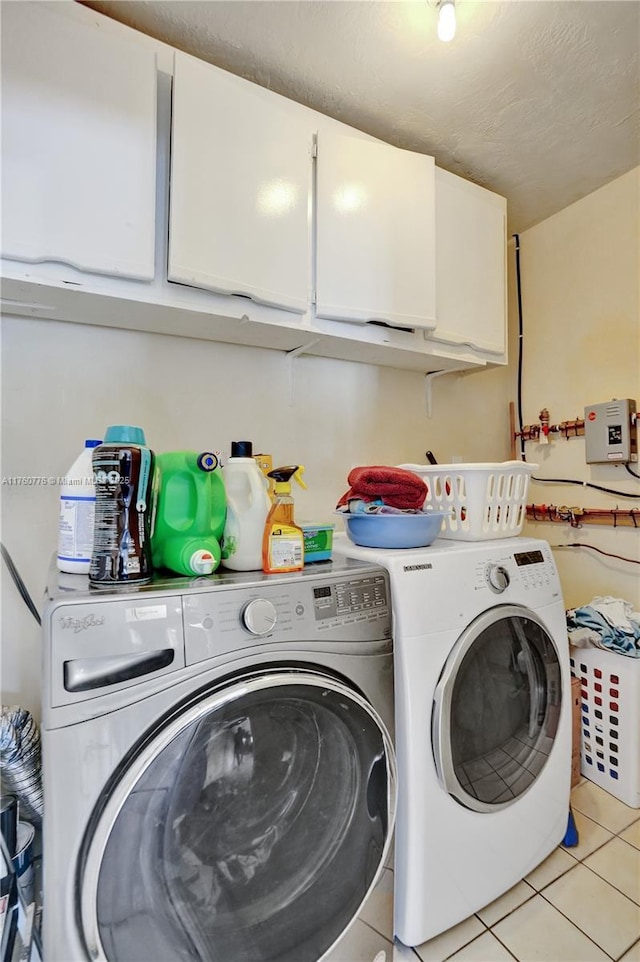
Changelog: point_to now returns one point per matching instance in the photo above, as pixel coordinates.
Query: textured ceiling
(536, 99)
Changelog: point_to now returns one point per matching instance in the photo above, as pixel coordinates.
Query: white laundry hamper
(609, 720)
(487, 501)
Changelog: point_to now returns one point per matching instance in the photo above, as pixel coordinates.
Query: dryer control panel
(529, 570)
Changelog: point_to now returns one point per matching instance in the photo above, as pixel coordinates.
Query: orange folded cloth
(397, 487)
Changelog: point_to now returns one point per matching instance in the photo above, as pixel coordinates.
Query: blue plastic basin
(394, 530)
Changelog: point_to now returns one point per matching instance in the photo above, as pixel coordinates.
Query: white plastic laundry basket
(487, 500)
(609, 721)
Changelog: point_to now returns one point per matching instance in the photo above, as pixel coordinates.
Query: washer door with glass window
(250, 826)
(496, 708)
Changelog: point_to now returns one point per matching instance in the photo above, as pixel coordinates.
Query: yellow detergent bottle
(283, 541)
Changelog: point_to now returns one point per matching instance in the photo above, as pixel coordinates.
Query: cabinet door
(78, 143)
(374, 233)
(470, 264)
(240, 187)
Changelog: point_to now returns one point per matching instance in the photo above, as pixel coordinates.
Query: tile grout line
(596, 822)
(597, 874)
(534, 892)
(560, 912)
(634, 945)
(373, 929)
(605, 827)
(498, 939)
(589, 937)
(464, 944)
(608, 881)
(580, 859)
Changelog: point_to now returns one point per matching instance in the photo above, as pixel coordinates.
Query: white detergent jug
(248, 505)
(77, 511)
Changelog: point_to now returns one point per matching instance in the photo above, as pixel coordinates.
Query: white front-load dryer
(483, 722)
(219, 774)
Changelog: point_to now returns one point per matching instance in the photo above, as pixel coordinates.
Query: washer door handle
(85, 674)
(377, 785)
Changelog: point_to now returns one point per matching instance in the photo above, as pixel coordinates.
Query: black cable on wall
(19, 583)
(523, 455)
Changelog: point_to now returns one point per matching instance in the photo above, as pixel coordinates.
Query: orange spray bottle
(283, 541)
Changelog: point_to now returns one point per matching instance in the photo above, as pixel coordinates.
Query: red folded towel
(395, 486)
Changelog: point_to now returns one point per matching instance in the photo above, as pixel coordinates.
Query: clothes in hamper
(606, 622)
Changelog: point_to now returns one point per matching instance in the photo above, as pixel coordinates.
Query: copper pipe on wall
(614, 517)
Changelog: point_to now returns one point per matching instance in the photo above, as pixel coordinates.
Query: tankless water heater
(610, 432)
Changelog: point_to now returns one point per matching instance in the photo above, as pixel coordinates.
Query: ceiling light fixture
(446, 20)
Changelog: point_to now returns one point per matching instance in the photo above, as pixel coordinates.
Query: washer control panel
(343, 600)
(259, 616)
(344, 609)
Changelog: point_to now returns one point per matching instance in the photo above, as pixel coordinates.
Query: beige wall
(581, 308)
(64, 382)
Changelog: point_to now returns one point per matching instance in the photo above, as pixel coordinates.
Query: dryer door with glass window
(496, 708)
(250, 824)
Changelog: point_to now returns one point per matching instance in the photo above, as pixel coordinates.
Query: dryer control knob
(498, 578)
(259, 616)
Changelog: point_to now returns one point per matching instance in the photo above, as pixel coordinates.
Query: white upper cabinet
(471, 282)
(347, 247)
(375, 246)
(240, 188)
(78, 143)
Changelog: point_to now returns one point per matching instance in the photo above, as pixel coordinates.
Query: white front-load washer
(483, 722)
(219, 774)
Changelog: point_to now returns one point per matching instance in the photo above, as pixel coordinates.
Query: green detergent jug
(189, 512)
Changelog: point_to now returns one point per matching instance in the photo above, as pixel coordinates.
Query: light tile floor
(581, 905)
